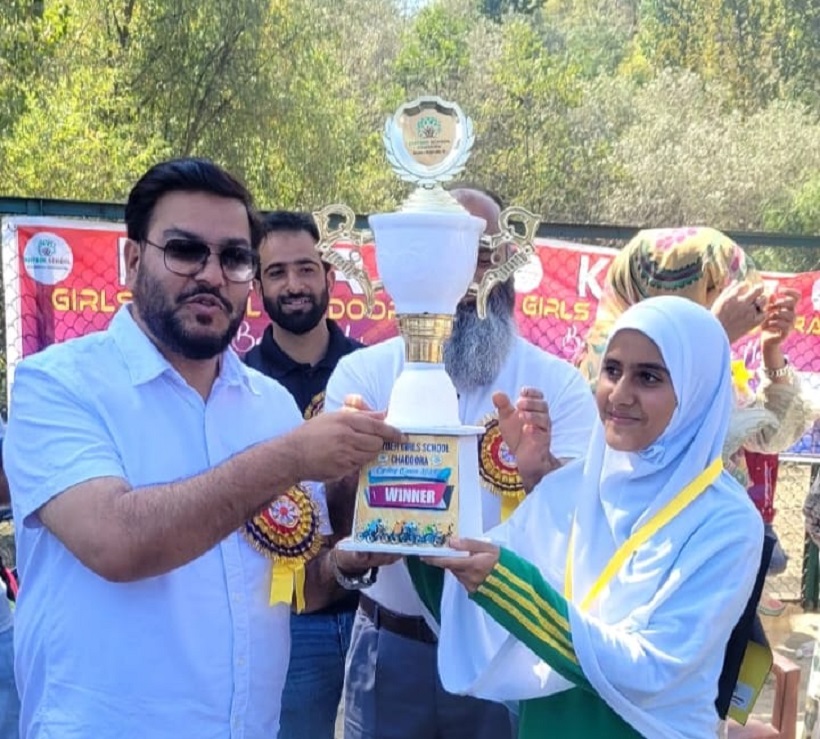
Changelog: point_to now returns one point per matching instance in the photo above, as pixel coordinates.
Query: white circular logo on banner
(48, 258)
(815, 295)
(529, 276)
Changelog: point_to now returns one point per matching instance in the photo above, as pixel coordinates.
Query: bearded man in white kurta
(392, 685)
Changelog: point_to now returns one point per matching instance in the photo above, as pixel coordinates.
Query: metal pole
(810, 590)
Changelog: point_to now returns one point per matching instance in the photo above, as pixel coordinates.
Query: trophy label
(409, 495)
(429, 133)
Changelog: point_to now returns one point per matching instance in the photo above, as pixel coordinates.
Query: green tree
(574, 114)
(75, 134)
(595, 34)
(497, 9)
(758, 47)
(524, 141)
(798, 43)
(671, 37)
(798, 210)
(434, 54)
(684, 156)
(28, 35)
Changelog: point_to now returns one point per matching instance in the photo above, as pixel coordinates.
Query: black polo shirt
(306, 383)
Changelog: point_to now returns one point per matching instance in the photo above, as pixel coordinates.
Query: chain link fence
(56, 312)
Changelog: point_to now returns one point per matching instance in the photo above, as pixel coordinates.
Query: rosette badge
(287, 533)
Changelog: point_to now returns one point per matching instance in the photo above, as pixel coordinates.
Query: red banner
(65, 278)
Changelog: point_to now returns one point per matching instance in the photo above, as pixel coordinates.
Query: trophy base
(348, 545)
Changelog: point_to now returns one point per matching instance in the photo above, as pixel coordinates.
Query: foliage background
(646, 112)
(639, 112)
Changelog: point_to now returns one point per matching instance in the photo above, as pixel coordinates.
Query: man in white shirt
(135, 456)
(9, 700)
(392, 688)
(300, 349)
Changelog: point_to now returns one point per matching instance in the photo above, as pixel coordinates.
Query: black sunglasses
(187, 257)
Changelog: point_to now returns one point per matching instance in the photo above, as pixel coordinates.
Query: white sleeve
(477, 655)
(351, 378)
(317, 492)
(573, 416)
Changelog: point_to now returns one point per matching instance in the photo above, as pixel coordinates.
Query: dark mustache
(206, 291)
(296, 296)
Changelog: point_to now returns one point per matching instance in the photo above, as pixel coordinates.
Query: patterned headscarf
(690, 262)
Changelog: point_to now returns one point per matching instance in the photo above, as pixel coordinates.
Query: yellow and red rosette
(287, 532)
(498, 468)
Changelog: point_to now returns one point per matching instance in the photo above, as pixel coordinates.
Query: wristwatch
(354, 582)
(785, 371)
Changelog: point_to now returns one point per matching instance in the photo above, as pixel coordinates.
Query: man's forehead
(481, 205)
(202, 215)
(289, 246)
(290, 259)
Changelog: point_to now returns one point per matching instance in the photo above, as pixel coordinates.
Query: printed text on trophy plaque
(409, 495)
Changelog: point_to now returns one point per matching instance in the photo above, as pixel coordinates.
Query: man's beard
(475, 352)
(297, 322)
(162, 319)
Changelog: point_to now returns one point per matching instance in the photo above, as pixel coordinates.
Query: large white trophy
(418, 494)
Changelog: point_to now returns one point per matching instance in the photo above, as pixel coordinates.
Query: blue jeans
(9, 701)
(316, 675)
(394, 692)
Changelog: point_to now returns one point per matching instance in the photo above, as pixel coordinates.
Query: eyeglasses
(188, 257)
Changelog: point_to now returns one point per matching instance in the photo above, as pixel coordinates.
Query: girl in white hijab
(605, 603)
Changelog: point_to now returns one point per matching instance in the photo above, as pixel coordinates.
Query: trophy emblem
(419, 493)
(428, 141)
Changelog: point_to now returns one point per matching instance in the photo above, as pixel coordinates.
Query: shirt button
(237, 597)
(240, 662)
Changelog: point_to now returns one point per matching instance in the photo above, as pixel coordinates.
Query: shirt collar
(278, 362)
(232, 371)
(146, 363)
(338, 346)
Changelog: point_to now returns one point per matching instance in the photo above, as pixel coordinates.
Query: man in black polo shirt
(300, 349)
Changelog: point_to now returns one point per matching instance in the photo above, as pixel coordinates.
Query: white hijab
(652, 643)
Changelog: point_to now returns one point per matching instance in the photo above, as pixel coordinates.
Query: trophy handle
(505, 266)
(351, 266)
